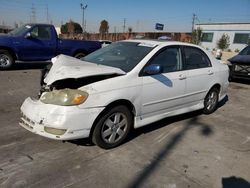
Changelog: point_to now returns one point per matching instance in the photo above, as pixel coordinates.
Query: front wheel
(113, 127)
(211, 101)
(6, 60)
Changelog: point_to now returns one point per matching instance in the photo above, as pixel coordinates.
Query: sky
(141, 15)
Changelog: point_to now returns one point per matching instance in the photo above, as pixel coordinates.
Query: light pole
(83, 7)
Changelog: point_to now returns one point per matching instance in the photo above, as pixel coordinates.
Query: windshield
(20, 30)
(123, 55)
(245, 51)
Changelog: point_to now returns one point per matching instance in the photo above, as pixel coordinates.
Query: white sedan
(125, 85)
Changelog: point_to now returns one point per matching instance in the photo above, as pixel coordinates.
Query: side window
(34, 32)
(41, 32)
(195, 58)
(169, 59)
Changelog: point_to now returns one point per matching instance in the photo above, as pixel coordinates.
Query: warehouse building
(239, 34)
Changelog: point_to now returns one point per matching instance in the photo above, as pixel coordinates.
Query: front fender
(105, 92)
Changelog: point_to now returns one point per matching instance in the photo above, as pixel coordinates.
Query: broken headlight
(64, 97)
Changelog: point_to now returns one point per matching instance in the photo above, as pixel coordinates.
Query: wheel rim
(4, 60)
(211, 100)
(114, 128)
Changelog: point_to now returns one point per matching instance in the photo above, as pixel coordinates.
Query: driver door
(39, 46)
(164, 92)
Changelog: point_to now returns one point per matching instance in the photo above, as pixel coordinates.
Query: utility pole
(47, 13)
(124, 25)
(83, 7)
(33, 14)
(115, 33)
(193, 19)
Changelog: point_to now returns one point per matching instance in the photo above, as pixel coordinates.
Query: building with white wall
(239, 34)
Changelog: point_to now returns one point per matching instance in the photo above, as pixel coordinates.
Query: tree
(104, 27)
(71, 27)
(196, 36)
(224, 42)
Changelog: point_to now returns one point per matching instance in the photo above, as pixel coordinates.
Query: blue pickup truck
(39, 42)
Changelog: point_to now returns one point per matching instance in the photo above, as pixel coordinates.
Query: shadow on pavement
(235, 182)
(223, 101)
(82, 142)
(193, 120)
(241, 81)
(29, 65)
(170, 144)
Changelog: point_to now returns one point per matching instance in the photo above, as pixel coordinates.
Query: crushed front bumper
(70, 122)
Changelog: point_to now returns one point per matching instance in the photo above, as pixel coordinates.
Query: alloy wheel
(114, 128)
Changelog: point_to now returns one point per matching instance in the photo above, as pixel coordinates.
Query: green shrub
(237, 50)
(223, 42)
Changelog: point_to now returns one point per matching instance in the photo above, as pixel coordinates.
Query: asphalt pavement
(191, 150)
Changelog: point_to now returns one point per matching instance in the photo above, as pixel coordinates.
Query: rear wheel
(211, 101)
(6, 60)
(80, 55)
(113, 127)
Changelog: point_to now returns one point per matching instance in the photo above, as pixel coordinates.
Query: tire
(211, 101)
(80, 55)
(230, 78)
(6, 60)
(44, 73)
(112, 127)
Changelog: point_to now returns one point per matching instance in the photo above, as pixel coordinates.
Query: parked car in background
(39, 42)
(164, 37)
(240, 65)
(105, 43)
(125, 85)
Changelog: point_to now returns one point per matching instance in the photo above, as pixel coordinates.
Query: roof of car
(160, 42)
(43, 24)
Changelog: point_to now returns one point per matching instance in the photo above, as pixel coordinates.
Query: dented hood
(68, 67)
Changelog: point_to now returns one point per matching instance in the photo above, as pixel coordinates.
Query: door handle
(210, 72)
(182, 77)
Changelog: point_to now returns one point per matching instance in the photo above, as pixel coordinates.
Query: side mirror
(152, 69)
(28, 35)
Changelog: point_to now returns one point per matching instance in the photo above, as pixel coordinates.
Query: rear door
(199, 73)
(40, 46)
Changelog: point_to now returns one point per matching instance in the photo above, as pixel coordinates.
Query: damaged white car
(126, 85)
